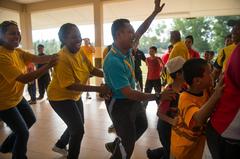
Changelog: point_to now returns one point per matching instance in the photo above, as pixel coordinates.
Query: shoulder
(112, 61)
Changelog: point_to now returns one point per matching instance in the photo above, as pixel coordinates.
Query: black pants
(139, 79)
(130, 122)
(220, 147)
(43, 84)
(71, 112)
(32, 90)
(156, 84)
(19, 119)
(164, 132)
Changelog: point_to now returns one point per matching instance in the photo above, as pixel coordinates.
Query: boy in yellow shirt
(195, 106)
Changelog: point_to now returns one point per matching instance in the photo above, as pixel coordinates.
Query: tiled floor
(49, 127)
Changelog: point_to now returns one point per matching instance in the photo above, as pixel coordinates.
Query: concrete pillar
(26, 28)
(98, 24)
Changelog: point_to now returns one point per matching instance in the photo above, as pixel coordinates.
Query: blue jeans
(71, 112)
(19, 119)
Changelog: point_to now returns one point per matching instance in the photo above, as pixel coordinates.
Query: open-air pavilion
(43, 14)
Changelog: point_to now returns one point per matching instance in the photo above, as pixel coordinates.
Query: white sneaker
(62, 151)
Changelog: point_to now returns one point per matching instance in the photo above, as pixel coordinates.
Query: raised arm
(145, 25)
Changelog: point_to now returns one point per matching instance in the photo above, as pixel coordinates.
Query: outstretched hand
(158, 6)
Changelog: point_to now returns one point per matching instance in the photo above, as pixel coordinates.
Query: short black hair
(232, 22)
(170, 46)
(154, 48)
(4, 27)
(64, 31)
(193, 68)
(117, 25)
(174, 74)
(40, 45)
(229, 36)
(190, 37)
(212, 53)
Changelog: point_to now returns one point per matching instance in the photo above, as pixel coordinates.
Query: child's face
(152, 52)
(207, 56)
(206, 81)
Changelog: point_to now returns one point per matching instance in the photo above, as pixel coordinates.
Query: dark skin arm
(29, 77)
(145, 25)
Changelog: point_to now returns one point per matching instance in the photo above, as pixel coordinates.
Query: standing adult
(88, 50)
(44, 80)
(32, 85)
(127, 112)
(179, 49)
(14, 109)
(64, 92)
(138, 58)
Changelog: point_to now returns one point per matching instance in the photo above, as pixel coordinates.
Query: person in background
(88, 50)
(195, 107)
(154, 65)
(208, 56)
(106, 50)
(228, 40)
(68, 82)
(31, 85)
(44, 80)
(223, 129)
(179, 47)
(165, 56)
(224, 55)
(105, 53)
(189, 42)
(14, 109)
(138, 57)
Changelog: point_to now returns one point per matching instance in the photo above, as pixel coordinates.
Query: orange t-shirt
(185, 142)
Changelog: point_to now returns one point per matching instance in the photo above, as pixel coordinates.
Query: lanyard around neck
(127, 63)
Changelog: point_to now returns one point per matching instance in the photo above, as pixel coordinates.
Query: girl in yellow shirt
(14, 109)
(64, 91)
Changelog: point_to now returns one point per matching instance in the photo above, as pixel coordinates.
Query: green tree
(50, 46)
(155, 38)
(220, 30)
(199, 28)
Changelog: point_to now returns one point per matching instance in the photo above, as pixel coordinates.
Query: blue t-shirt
(117, 73)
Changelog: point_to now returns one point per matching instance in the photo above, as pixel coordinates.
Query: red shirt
(226, 118)
(154, 68)
(193, 53)
(165, 57)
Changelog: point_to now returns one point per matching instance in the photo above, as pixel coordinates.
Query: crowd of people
(197, 101)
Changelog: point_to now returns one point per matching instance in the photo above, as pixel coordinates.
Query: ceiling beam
(55, 4)
(10, 5)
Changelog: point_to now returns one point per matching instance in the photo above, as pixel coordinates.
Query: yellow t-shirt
(223, 56)
(179, 49)
(88, 51)
(13, 63)
(184, 141)
(71, 68)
